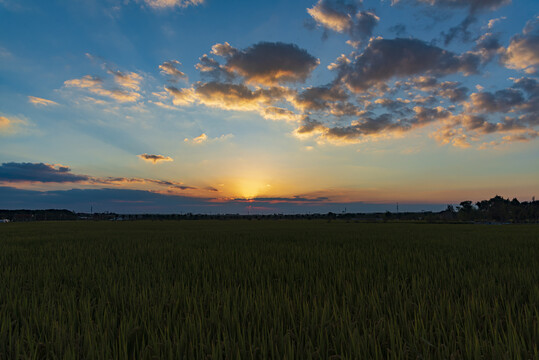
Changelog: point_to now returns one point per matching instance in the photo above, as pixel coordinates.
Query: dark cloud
(472, 5)
(38, 172)
(500, 101)
(268, 63)
(529, 85)
(362, 127)
(460, 31)
(154, 158)
(453, 91)
(309, 126)
(384, 59)
(396, 106)
(427, 115)
(344, 17)
(145, 202)
(488, 46)
(330, 99)
(210, 67)
(369, 125)
(293, 199)
(399, 29)
(481, 124)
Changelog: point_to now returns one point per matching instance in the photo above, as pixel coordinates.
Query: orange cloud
(11, 125)
(40, 101)
(171, 68)
(129, 81)
(203, 138)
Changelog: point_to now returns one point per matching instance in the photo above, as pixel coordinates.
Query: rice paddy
(268, 290)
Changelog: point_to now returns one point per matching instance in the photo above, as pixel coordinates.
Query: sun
(250, 188)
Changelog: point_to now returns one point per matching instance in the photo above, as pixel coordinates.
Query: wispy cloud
(11, 125)
(128, 80)
(203, 138)
(95, 85)
(40, 101)
(164, 4)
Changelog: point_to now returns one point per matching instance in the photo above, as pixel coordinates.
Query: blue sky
(305, 102)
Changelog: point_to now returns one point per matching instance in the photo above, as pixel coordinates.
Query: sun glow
(250, 188)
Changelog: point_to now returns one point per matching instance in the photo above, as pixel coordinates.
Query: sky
(208, 106)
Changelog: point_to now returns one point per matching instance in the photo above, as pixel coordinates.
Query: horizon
(161, 106)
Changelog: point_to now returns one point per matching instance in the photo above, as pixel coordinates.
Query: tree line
(496, 209)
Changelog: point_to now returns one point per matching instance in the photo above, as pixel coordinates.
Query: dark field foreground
(268, 289)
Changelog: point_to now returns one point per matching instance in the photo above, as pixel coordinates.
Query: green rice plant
(268, 290)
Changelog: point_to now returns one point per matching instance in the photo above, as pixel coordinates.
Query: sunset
(374, 102)
(233, 179)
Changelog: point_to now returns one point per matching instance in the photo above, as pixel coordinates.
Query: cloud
(171, 68)
(451, 90)
(487, 46)
(291, 199)
(529, 85)
(398, 29)
(268, 63)
(128, 80)
(524, 137)
(11, 125)
(212, 68)
(472, 5)
(181, 96)
(310, 127)
(155, 158)
(460, 30)
(523, 50)
(40, 172)
(163, 4)
(493, 22)
(199, 139)
(370, 126)
(505, 100)
(278, 113)
(344, 18)
(95, 86)
(127, 201)
(203, 138)
(455, 137)
(229, 96)
(41, 175)
(384, 59)
(330, 99)
(40, 101)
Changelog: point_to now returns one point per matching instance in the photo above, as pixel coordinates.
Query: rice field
(268, 290)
